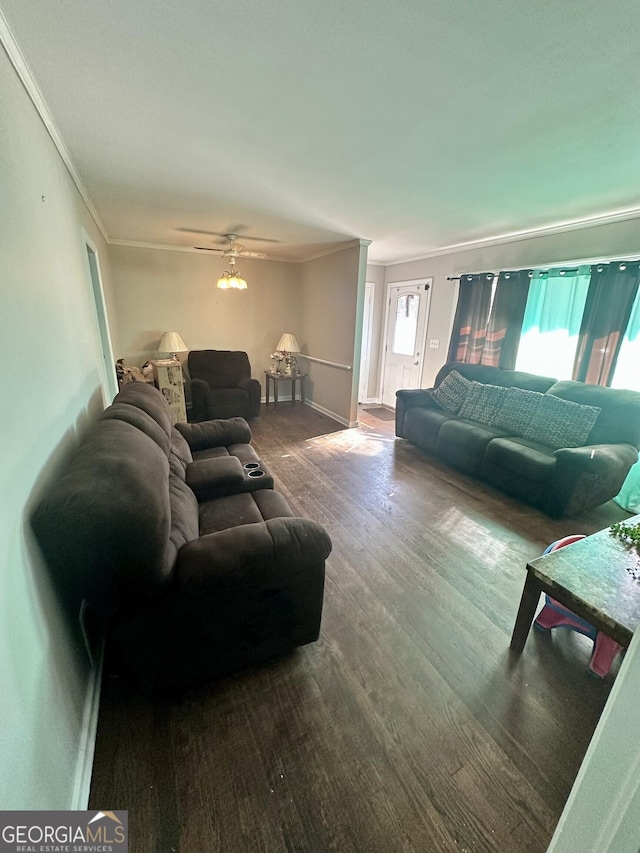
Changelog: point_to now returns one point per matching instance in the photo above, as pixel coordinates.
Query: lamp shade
(288, 343)
(171, 342)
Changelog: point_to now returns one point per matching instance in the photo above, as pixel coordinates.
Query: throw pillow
(451, 393)
(517, 409)
(482, 402)
(561, 423)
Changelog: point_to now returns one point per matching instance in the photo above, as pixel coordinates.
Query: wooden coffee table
(589, 577)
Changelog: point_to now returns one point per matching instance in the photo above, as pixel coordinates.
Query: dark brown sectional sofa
(563, 447)
(190, 562)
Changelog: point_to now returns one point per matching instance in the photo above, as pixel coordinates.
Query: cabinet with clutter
(167, 376)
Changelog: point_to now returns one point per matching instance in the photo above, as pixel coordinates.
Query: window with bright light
(406, 324)
(551, 322)
(627, 372)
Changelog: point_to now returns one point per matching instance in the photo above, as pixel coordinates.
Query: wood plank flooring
(409, 726)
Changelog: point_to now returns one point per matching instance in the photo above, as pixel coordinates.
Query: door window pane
(406, 324)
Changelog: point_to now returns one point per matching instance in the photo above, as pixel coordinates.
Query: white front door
(407, 312)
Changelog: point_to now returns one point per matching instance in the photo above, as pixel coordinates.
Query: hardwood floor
(409, 726)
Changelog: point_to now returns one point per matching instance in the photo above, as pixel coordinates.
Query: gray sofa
(563, 447)
(190, 562)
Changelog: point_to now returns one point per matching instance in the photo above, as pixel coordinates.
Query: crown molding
(16, 57)
(167, 247)
(528, 234)
(333, 250)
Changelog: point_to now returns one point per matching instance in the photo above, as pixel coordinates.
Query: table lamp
(172, 343)
(288, 344)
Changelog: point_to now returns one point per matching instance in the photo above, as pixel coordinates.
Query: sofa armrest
(199, 396)
(408, 399)
(254, 390)
(261, 553)
(585, 477)
(220, 432)
(597, 458)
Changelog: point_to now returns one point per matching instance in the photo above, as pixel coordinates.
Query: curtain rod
(562, 271)
(547, 267)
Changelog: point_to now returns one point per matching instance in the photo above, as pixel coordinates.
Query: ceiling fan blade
(236, 230)
(253, 254)
(210, 249)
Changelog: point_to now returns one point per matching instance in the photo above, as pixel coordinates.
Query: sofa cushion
(482, 403)
(619, 420)
(218, 432)
(516, 410)
(208, 478)
(463, 443)
(560, 423)
(451, 393)
(104, 524)
(149, 399)
(184, 516)
(421, 426)
(180, 447)
(488, 375)
(244, 508)
(138, 418)
(522, 457)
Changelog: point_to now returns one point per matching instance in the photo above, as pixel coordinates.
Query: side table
(288, 377)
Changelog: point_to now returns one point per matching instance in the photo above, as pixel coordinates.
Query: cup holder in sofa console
(251, 465)
(256, 473)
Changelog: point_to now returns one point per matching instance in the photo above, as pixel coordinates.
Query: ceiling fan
(233, 250)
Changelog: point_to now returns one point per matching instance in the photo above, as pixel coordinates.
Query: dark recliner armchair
(221, 385)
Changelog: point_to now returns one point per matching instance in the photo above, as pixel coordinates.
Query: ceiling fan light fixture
(231, 281)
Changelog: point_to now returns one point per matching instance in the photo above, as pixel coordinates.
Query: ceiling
(418, 125)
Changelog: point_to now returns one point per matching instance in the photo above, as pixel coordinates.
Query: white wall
(332, 295)
(159, 290)
(52, 384)
(375, 274)
(602, 814)
(602, 241)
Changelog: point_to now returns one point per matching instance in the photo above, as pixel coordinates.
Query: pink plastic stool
(554, 615)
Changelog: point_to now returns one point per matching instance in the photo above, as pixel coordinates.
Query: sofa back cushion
(184, 518)
(179, 454)
(560, 423)
(496, 376)
(516, 410)
(149, 399)
(619, 420)
(104, 525)
(139, 419)
(219, 368)
(482, 403)
(452, 392)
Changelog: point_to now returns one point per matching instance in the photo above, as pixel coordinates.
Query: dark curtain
(470, 322)
(505, 322)
(612, 290)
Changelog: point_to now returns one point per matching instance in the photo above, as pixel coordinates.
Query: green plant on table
(629, 533)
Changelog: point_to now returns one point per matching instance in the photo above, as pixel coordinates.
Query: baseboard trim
(87, 746)
(332, 415)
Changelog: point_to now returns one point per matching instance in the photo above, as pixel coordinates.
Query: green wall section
(52, 385)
